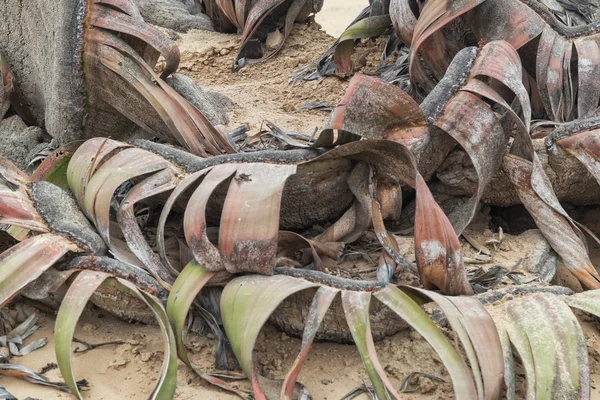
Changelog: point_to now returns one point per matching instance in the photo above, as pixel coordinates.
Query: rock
(174, 14)
(539, 258)
(213, 105)
(118, 363)
(18, 142)
(274, 39)
(146, 356)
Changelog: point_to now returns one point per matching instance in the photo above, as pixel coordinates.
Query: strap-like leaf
(86, 160)
(316, 313)
(70, 311)
(293, 10)
(256, 14)
(114, 172)
(555, 227)
(194, 222)
(586, 147)
(71, 308)
(403, 19)
(479, 337)
(509, 363)
(370, 108)
(16, 207)
(246, 304)
(27, 260)
(183, 292)
(249, 221)
(407, 309)
(430, 44)
(134, 25)
(568, 89)
(437, 248)
(551, 344)
(356, 309)
(160, 182)
(183, 185)
(366, 28)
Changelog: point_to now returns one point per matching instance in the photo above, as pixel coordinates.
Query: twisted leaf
(246, 304)
(82, 288)
(407, 309)
(20, 372)
(367, 28)
(319, 306)
(16, 207)
(26, 261)
(356, 309)
(249, 221)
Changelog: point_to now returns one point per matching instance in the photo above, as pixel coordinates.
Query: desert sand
(260, 93)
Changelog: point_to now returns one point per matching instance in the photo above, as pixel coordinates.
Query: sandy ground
(260, 93)
(336, 15)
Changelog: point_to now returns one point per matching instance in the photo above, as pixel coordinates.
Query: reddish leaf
(371, 108)
(86, 160)
(257, 11)
(429, 43)
(437, 248)
(316, 313)
(473, 124)
(27, 260)
(160, 182)
(588, 69)
(134, 25)
(184, 185)
(586, 147)
(553, 57)
(555, 227)
(403, 19)
(16, 206)
(227, 7)
(194, 223)
(114, 172)
(440, 262)
(249, 221)
(187, 125)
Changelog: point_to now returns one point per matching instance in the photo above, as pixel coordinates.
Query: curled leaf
(82, 288)
(27, 260)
